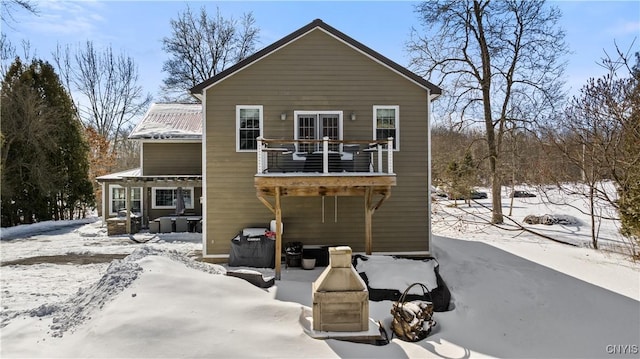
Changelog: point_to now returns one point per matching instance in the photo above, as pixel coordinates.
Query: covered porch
(141, 201)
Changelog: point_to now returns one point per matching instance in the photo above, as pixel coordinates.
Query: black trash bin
(293, 254)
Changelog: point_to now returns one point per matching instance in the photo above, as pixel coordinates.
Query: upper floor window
(167, 197)
(248, 127)
(385, 123)
(118, 199)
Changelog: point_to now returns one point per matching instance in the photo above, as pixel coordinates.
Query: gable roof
(420, 81)
(170, 121)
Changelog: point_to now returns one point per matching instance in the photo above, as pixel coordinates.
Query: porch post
(146, 203)
(127, 205)
(105, 206)
(278, 234)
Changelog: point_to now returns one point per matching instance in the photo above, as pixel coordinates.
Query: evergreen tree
(44, 153)
(462, 177)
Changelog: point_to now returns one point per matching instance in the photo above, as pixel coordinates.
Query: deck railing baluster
(300, 144)
(325, 154)
(390, 155)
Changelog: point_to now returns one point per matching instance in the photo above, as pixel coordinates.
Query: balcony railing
(309, 157)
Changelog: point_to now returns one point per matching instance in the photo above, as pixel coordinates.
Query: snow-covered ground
(514, 295)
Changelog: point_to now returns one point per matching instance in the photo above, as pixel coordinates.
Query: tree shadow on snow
(37, 231)
(507, 306)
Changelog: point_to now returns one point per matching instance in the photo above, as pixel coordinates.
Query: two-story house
(319, 132)
(170, 138)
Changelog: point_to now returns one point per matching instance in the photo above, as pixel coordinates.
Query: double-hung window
(385, 124)
(314, 125)
(118, 199)
(166, 197)
(248, 127)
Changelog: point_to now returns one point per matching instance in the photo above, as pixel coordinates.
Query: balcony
(324, 167)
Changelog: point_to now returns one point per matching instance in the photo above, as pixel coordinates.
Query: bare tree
(108, 85)
(9, 7)
(127, 152)
(497, 60)
(629, 179)
(7, 54)
(599, 134)
(200, 46)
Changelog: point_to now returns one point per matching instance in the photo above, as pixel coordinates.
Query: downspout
(429, 167)
(203, 144)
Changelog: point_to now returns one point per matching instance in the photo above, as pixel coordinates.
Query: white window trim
(244, 107)
(396, 139)
(153, 198)
(111, 187)
(332, 112)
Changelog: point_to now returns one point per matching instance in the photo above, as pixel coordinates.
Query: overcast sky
(137, 27)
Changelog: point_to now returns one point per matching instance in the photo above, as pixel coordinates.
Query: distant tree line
(527, 159)
(594, 139)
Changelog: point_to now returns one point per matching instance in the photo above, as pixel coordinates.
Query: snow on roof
(135, 172)
(170, 121)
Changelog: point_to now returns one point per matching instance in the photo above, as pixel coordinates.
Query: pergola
(131, 179)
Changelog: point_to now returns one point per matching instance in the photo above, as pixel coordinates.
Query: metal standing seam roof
(134, 172)
(170, 121)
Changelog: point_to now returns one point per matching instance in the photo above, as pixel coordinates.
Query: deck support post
(369, 209)
(368, 213)
(278, 212)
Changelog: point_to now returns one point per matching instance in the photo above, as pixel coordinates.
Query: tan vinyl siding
(171, 158)
(316, 73)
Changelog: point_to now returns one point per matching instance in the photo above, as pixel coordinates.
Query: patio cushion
(254, 232)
